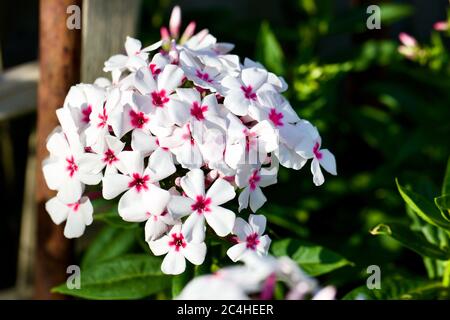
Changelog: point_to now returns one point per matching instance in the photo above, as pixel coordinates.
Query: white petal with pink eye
(221, 220)
(211, 101)
(173, 263)
(193, 183)
(114, 184)
(318, 178)
(57, 210)
(70, 190)
(236, 102)
(131, 206)
(257, 199)
(243, 199)
(160, 165)
(144, 81)
(114, 144)
(160, 246)
(143, 141)
(257, 223)
(220, 192)
(170, 78)
(180, 206)
(254, 77)
(189, 155)
(242, 229)
(52, 168)
(264, 244)
(237, 251)
(194, 227)
(328, 162)
(195, 252)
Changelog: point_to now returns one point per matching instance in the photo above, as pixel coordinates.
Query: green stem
(446, 277)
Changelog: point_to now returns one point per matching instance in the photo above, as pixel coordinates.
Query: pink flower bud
(175, 22)
(407, 40)
(441, 26)
(165, 36)
(188, 32)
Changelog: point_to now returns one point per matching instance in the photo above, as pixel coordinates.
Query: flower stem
(446, 277)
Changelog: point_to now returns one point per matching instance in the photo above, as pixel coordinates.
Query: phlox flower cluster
(182, 128)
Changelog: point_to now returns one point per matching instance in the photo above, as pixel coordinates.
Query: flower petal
(237, 251)
(257, 199)
(195, 252)
(328, 162)
(173, 263)
(318, 178)
(160, 246)
(220, 192)
(114, 184)
(258, 223)
(221, 220)
(57, 210)
(193, 183)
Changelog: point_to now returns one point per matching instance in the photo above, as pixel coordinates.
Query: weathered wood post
(59, 62)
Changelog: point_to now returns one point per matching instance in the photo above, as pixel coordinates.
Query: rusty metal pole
(59, 63)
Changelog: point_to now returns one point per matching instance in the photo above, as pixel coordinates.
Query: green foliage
(313, 259)
(126, 277)
(268, 50)
(399, 287)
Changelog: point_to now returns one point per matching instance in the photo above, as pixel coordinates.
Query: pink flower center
(248, 92)
(74, 206)
(201, 204)
(154, 70)
(71, 166)
(103, 118)
(252, 241)
(316, 151)
(254, 180)
(110, 157)
(203, 76)
(138, 119)
(276, 117)
(177, 241)
(197, 111)
(86, 112)
(139, 182)
(159, 99)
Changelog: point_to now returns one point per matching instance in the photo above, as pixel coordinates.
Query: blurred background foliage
(382, 115)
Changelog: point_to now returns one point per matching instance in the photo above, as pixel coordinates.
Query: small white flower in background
(77, 215)
(309, 147)
(177, 249)
(190, 105)
(250, 237)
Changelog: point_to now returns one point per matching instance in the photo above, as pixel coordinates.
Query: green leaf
(400, 288)
(113, 219)
(410, 239)
(423, 208)
(446, 183)
(126, 277)
(268, 50)
(109, 243)
(313, 259)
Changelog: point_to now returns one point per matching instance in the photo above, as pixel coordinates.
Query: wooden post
(59, 61)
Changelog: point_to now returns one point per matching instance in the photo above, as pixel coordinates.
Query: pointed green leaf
(109, 243)
(423, 208)
(446, 183)
(313, 259)
(400, 288)
(411, 239)
(268, 50)
(126, 277)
